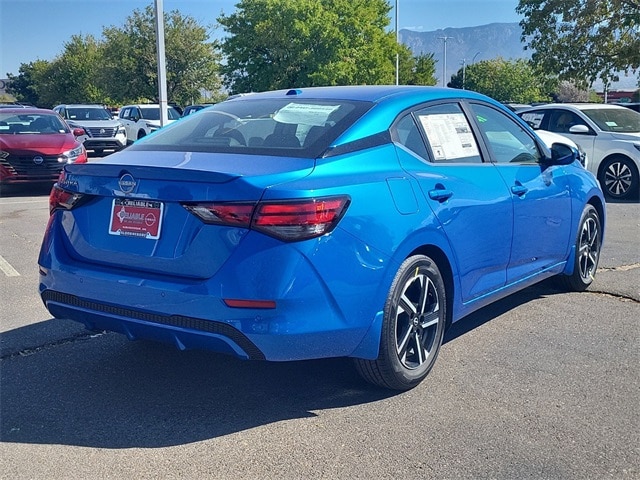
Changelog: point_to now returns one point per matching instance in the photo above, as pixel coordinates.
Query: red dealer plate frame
(135, 217)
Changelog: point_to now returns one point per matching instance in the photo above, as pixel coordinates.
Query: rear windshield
(283, 127)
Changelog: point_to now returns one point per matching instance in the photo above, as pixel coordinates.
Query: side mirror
(563, 154)
(78, 132)
(579, 129)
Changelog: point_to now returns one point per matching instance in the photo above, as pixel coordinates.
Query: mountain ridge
(467, 45)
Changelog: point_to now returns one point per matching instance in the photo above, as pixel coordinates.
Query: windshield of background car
(30, 123)
(618, 120)
(281, 127)
(78, 113)
(153, 113)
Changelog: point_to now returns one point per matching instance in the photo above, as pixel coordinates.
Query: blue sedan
(320, 222)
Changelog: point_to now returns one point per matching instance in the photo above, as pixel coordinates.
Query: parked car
(35, 144)
(320, 222)
(632, 105)
(141, 120)
(609, 134)
(15, 105)
(549, 138)
(190, 109)
(101, 131)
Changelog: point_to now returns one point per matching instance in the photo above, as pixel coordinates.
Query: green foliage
(274, 44)
(122, 67)
(582, 40)
(32, 78)
(130, 57)
(419, 70)
(72, 75)
(506, 81)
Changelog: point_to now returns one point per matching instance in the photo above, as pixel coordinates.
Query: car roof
(143, 105)
(29, 111)
(575, 106)
(81, 105)
(370, 93)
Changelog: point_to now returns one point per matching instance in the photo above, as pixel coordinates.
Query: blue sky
(38, 29)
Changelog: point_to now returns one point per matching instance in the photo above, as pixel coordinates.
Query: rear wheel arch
(444, 265)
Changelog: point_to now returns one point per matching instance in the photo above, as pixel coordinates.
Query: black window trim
(477, 133)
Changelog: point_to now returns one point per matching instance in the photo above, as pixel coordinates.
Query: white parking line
(6, 267)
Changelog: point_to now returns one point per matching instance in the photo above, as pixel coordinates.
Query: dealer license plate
(136, 218)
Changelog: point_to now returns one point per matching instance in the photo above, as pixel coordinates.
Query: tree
(418, 70)
(31, 79)
(130, 62)
(72, 76)
(567, 92)
(276, 44)
(582, 40)
(506, 81)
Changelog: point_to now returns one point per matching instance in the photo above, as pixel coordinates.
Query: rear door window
(450, 138)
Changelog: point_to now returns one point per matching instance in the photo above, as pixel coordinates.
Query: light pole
(464, 71)
(397, 52)
(444, 63)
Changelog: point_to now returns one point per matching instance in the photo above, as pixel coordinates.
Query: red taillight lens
(235, 214)
(289, 220)
(299, 219)
(60, 199)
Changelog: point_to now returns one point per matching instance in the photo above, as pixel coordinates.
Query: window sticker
(611, 124)
(533, 119)
(305, 114)
(450, 136)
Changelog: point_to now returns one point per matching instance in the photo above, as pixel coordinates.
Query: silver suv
(102, 132)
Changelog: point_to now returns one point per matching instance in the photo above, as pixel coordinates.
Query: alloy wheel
(618, 178)
(417, 317)
(589, 248)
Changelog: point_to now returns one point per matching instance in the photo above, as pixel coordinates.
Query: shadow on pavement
(105, 391)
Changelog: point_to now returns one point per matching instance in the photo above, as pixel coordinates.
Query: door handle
(440, 195)
(519, 190)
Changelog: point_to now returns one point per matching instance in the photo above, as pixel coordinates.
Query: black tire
(587, 246)
(141, 134)
(619, 178)
(412, 328)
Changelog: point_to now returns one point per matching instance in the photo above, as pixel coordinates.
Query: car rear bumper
(307, 320)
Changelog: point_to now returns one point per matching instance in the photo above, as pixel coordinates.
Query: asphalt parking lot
(542, 385)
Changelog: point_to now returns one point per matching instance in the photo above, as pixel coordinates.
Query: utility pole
(464, 71)
(444, 63)
(397, 46)
(162, 64)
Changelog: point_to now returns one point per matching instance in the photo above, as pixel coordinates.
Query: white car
(101, 131)
(549, 138)
(141, 120)
(609, 134)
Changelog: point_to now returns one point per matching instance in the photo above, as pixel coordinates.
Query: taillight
(61, 199)
(299, 219)
(235, 214)
(288, 220)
